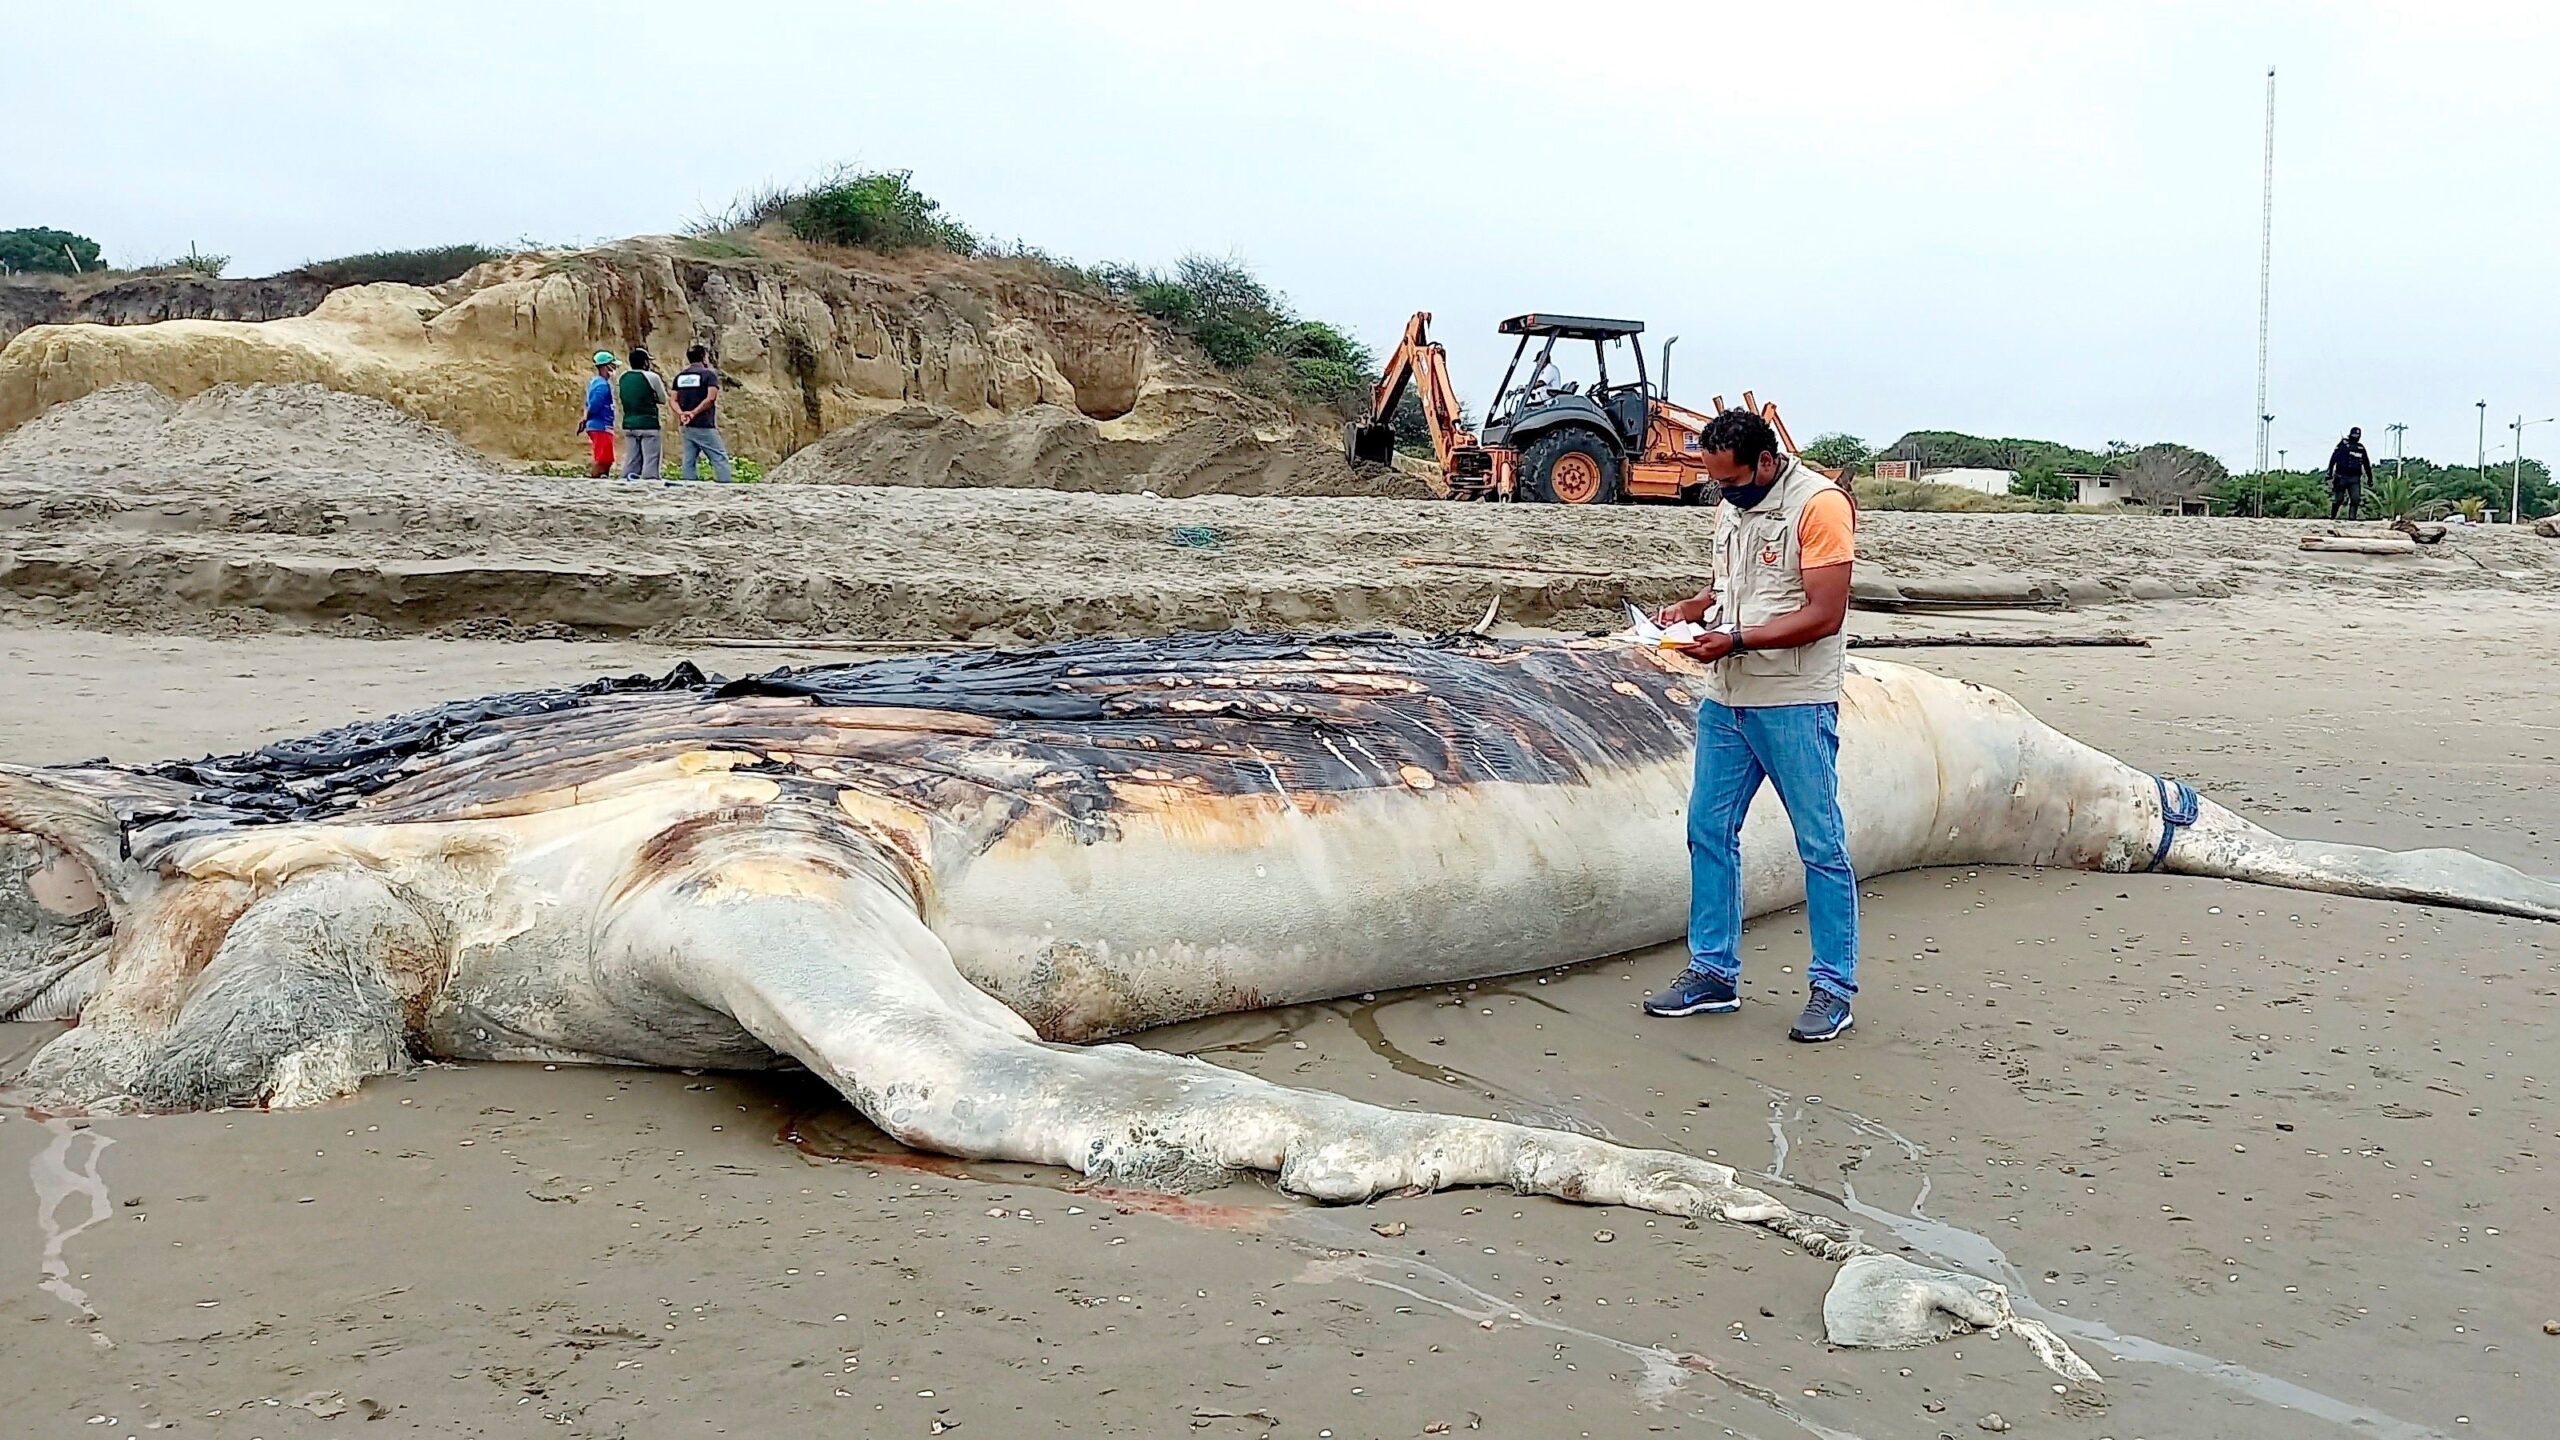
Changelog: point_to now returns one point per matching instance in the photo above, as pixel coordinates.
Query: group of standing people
(644, 400)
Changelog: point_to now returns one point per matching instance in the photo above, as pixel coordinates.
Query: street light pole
(2266, 259)
(2399, 461)
(2515, 482)
(2264, 421)
(2480, 464)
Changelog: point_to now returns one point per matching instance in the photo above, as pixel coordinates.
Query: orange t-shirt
(1826, 533)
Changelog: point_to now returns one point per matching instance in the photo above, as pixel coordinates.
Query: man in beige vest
(1784, 542)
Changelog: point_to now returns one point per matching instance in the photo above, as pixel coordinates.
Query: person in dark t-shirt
(2349, 468)
(698, 415)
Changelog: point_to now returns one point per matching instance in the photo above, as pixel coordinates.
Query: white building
(2126, 490)
(1986, 482)
(2098, 489)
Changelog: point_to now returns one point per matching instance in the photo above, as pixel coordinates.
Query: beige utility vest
(1759, 577)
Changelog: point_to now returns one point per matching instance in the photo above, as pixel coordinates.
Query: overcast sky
(2033, 219)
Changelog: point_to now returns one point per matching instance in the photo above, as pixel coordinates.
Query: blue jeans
(1798, 748)
(703, 442)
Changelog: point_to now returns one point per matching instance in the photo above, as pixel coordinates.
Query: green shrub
(194, 262)
(1331, 382)
(718, 247)
(2394, 497)
(1326, 367)
(1876, 494)
(868, 209)
(2289, 494)
(2040, 481)
(1050, 269)
(432, 265)
(1315, 340)
(1413, 427)
(1232, 316)
(2304, 494)
(1166, 301)
(1217, 304)
(878, 211)
(1836, 450)
(35, 248)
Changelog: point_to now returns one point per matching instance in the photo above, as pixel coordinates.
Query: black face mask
(1743, 497)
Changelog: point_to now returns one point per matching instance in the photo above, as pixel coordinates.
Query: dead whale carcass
(912, 876)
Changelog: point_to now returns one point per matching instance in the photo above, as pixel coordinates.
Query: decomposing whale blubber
(920, 878)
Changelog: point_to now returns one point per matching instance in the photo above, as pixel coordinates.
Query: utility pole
(2266, 258)
(2480, 462)
(2264, 421)
(2399, 461)
(2515, 482)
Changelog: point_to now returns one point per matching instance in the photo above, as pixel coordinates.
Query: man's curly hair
(1745, 435)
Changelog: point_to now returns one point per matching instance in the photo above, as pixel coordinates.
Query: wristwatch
(1734, 634)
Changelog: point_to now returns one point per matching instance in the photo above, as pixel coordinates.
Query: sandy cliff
(808, 345)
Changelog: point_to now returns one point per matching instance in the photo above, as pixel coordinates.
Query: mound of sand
(193, 549)
(1051, 448)
(238, 427)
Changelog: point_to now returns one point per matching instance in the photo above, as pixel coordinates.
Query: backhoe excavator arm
(1418, 361)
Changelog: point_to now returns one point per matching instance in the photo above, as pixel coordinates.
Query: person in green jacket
(642, 391)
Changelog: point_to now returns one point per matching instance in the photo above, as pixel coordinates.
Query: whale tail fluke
(2220, 843)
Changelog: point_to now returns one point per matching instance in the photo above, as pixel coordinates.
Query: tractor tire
(1572, 466)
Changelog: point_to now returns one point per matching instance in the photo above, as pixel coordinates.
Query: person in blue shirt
(599, 421)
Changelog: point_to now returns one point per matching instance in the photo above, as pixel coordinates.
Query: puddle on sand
(1519, 1106)
(838, 1134)
(828, 1135)
(1661, 1373)
(1962, 1249)
(66, 1178)
(1958, 1248)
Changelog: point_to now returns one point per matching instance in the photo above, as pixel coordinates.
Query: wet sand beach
(2279, 1164)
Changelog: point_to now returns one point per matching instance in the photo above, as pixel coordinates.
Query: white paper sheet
(1648, 633)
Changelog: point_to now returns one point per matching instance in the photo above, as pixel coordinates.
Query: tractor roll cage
(1552, 328)
(1570, 327)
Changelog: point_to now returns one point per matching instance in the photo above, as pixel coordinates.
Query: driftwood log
(1994, 642)
(2394, 544)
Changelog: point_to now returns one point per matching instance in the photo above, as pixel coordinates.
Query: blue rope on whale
(2178, 810)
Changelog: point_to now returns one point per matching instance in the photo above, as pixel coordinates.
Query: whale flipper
(835, 970)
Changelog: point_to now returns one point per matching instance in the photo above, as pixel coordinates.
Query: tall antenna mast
(2266, 258)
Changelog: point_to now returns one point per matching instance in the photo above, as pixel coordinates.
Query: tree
(1413, 428)
(431, 266)
(2043, 482)
(1836, 451)
(2161, 473)
(35, 248)
(2304, 494)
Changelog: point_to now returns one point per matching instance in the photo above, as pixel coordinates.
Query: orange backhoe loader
(1557, 443)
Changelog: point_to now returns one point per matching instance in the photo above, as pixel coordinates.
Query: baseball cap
(604, 357)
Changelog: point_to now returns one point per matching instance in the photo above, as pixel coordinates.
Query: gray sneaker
(1824, 1017)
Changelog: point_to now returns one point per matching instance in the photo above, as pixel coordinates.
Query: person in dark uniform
(2349, 468)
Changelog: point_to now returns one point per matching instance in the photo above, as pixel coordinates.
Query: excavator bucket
(1367, 444)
